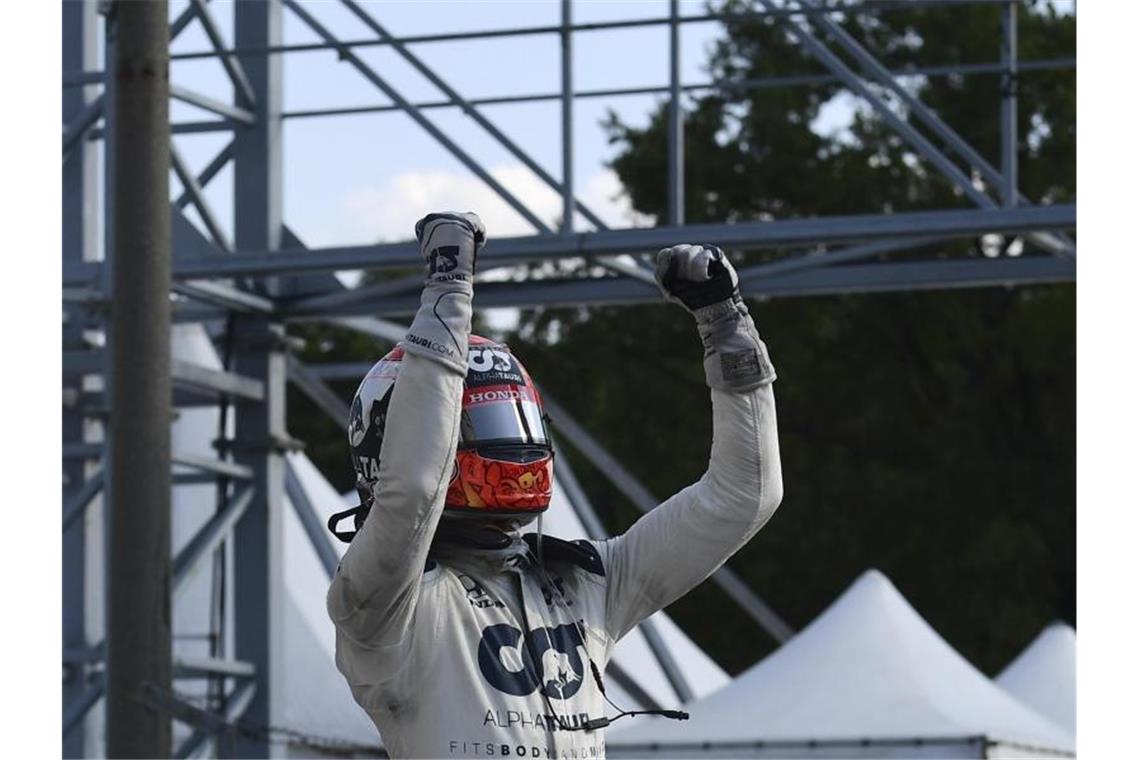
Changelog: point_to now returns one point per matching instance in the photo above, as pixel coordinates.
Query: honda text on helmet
(504, 464)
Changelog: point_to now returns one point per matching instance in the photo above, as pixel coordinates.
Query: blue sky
(361, 178)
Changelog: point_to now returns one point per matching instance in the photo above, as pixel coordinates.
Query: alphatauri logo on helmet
(366, 434)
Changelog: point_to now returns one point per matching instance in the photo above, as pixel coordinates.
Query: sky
(363, 178)
(358, 179)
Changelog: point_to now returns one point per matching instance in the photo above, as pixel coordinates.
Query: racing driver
(458, 635)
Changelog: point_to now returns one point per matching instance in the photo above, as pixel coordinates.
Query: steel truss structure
(260, 278)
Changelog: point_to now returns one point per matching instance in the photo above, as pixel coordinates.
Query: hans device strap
(578, 553)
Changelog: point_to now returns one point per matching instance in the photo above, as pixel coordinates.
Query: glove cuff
(442, 325)
(708, 314)
(736, 360)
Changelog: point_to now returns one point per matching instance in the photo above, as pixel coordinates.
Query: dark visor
(505, 421)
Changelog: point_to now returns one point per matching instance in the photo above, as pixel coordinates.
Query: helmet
(504, 463)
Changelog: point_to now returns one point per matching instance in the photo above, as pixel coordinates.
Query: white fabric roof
(1044, 675)
(868, 667)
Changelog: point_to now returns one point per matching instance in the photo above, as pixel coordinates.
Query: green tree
(929, 434)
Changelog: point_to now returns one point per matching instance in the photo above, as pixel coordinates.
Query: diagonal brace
(872, 66)
(208, 538)
(198, 199)
(317, 390)
(310, 521)
(919, 142)
(229, 60)
(216, 165)
(81, 123)
(213, 106)
(618, 265)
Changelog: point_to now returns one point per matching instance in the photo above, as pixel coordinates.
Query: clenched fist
(701, 279)
(449, 242)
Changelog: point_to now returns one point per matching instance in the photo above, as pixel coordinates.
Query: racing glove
(701, 279)
(449, 242)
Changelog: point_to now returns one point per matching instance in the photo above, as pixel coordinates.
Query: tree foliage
(929, 434)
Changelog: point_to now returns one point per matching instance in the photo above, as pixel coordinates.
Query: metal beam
(675, 173)
(380, 329)
(225, 296)
(79, 242)
(1006, 180)
(195, 377)
(455, 99)
(633, 490)
(345, 54)
(320, 394)
(566, 49)
(207, 724)
(843, 255)
(832, 280)
(80, 124)
(746, 235)
(1010, 194)
(258, 538)
(198, 667)
(216, 165)
(884, 5)
(917, 141)
(76, 504)
(732, 86)
(314, 527)
(214, 467)
(194, 190)
(183, 20)
(206, 103)
(230, 62)
(208, 538)
(77, 709)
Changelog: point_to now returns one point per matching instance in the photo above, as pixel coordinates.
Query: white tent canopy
(1044, 675)
(867, 678)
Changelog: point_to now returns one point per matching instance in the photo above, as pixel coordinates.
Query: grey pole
(567, 120)
(1009, 104)
(138, 615)
(676, 180)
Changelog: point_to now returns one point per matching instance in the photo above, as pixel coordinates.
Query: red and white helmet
(504, 464)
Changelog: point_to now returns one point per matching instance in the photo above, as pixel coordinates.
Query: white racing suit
(475, 653)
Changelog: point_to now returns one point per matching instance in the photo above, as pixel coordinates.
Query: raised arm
(684, 540)
(374, 593)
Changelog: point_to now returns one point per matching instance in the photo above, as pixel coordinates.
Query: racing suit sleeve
(373, 596)
(683, 541)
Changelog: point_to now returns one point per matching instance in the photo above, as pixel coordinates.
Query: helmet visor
(501, 414)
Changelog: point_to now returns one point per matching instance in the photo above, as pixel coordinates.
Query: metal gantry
(257, 278)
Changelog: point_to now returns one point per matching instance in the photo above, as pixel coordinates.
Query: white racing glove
(701, 278)
(449, 242)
